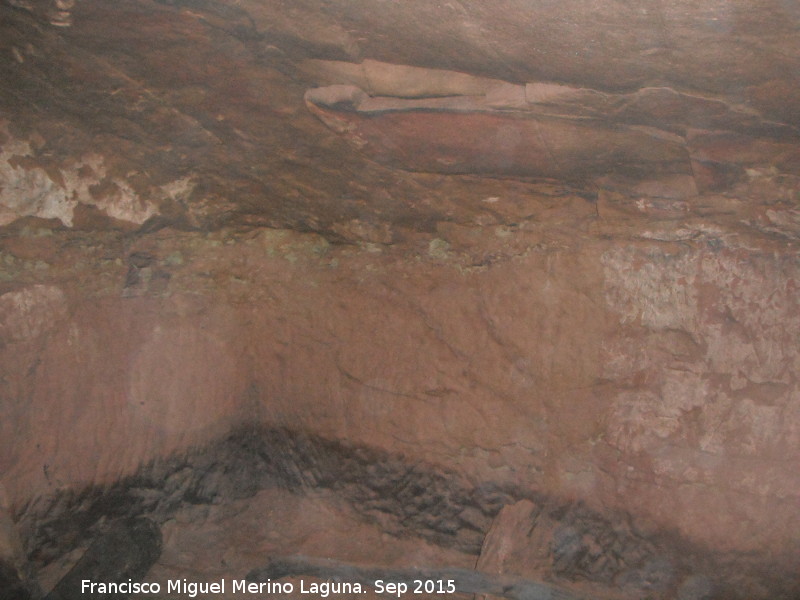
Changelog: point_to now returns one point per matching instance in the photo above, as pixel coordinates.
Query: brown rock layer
(636, 377)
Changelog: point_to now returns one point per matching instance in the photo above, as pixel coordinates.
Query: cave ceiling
(365, 119)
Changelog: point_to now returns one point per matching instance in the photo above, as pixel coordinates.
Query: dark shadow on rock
(13, 588)
(126, 551)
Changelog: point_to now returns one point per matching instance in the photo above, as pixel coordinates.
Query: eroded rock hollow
(504, 293)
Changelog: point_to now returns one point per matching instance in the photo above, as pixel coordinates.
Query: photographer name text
(323, 589)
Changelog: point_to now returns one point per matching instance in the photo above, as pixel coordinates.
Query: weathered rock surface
(637, 376)
(194, 115)
(463, 136)
(547, 130)
(545, 250)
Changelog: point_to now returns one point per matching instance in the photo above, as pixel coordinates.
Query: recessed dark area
(325, 296)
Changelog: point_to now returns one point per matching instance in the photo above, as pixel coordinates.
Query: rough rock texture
(126, 551)
(548, 130)
(636, 380)
(548, 250)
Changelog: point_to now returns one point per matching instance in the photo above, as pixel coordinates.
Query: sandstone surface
(434, 273)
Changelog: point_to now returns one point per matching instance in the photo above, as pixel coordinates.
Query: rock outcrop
(461, 269)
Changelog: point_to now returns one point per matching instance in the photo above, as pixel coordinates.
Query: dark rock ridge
(407, 498)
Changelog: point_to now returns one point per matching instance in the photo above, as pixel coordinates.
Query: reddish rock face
(448, 272)
(491, 143)
(630, 376)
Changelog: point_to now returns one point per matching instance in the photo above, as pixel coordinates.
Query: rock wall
(550, 250)
(654, 377)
